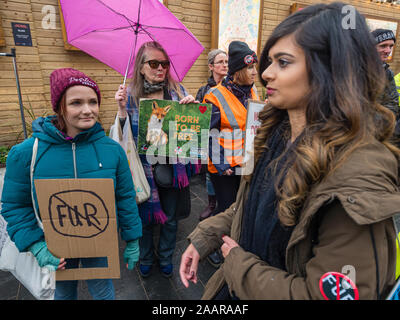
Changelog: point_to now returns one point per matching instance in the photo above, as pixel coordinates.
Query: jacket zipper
(74, 158)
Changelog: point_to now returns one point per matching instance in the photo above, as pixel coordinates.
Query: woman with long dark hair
(324, 188)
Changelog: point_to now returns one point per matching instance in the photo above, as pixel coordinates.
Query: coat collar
(44, 129)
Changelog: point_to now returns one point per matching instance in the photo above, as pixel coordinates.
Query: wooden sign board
(79, 221)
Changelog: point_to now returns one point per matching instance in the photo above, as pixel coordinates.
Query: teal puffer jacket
(91, 154)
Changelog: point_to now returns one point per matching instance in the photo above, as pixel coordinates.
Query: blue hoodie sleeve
(128, 214)
(17, 208)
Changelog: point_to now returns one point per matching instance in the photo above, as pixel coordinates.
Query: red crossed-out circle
(331, 279)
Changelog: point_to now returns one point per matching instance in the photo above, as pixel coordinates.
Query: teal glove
(43, 255)
(131, 253)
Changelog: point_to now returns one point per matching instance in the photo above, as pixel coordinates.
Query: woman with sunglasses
(152, 80)
(228, 120)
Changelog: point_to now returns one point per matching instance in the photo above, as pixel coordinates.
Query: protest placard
(252, 124)
(170, 129)
(79, 221)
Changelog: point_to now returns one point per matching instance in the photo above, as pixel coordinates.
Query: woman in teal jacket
(71, 144)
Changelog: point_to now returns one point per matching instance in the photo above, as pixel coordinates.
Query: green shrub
(3, 154)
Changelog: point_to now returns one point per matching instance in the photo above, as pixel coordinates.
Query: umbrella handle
(130, 57)
(127, 68)
(124, 80)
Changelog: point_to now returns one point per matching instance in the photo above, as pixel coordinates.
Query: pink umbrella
(112, 31)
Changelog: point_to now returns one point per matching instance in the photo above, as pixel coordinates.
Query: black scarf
(262, 233)
(153, 87)
(211, 82)
(242, 92)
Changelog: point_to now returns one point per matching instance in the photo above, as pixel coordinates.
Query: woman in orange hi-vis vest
(228, 123)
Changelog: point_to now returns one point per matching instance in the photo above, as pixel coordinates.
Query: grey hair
(213, 53)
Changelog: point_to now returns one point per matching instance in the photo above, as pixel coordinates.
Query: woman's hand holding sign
(131, 253)
(45, 257)
(188, 99)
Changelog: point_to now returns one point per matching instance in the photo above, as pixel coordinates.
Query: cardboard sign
(252, 124)
(170, 129)
(22, 34)
(79, 221)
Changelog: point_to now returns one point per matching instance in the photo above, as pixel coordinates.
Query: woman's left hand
(188, 99)
(229, 244)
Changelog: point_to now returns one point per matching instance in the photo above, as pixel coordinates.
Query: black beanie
(381, 35)
(240, 55)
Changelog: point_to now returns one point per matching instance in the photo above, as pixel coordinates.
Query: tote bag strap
(33, 161)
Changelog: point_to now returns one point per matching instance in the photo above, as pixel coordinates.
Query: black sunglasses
(155, 63)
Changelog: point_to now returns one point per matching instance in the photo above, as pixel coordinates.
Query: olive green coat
(363, 191)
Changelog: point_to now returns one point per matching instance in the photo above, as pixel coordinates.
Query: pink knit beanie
(62, 79)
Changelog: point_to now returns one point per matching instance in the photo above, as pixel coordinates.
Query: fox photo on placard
(170, 129)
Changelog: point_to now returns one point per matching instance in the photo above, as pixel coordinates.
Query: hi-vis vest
(233, 124)
(397, 80)
(398, 258)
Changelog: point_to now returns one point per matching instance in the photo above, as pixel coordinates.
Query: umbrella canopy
(112, 31)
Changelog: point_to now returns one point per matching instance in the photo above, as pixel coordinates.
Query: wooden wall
(48, 53)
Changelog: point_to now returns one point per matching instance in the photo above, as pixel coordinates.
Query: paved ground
(131, 285)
